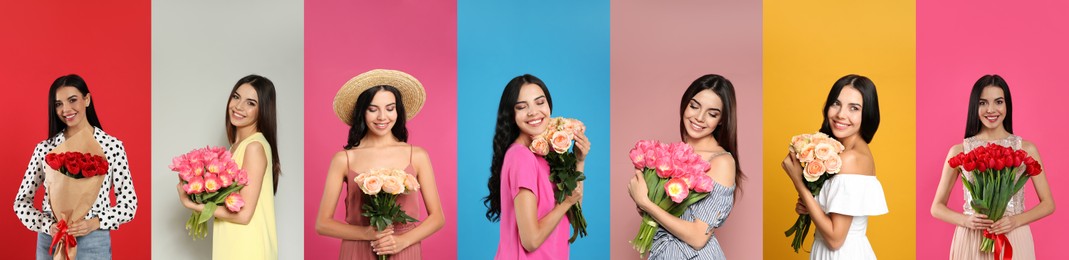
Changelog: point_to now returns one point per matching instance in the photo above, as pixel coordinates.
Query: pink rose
(798, 142)
(411, 184)
(393, 185)
(561, 142)
(372, 185)
(834, 164)
(823, 150)
(540, 146)
(807, 154)
(676, 189)
(813, 170)
(234, 202)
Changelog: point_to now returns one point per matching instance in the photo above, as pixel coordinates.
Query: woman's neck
(997, 133)
(371, 140)
(524, 139)
(852, 141)
(245, 132)
(76, 129)
(707, 143)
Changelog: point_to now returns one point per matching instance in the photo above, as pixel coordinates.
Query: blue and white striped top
(713, 209)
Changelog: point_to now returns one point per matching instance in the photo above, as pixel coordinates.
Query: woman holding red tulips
(989, 122)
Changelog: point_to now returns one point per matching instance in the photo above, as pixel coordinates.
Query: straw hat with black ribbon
(412, 94)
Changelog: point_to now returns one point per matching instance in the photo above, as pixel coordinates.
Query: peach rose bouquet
(675, 176)
(381, 187)
(819, 155)
(209, 176)
(555, 146)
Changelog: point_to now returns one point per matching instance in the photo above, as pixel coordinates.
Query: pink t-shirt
(522, 169)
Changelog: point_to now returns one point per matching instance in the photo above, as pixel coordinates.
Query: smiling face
(381, 114)
(244, 106)
(992, 107)
(532, 110)
(703, 114)
(844, 115)
(70, 105)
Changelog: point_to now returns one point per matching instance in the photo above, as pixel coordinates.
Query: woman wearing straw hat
(368, 103)
(251, 128)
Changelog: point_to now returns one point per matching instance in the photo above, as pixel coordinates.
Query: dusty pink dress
(361, 249)
(966, 243)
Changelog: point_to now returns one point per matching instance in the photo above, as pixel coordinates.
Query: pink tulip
(638, 158)
(225, 180)
(211, 182)
(676, 189)
(241, 178)
(703, 183)
(215, 167)
(234, 202)
(194, 186)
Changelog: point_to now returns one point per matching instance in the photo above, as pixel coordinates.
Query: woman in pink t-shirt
(533, 226)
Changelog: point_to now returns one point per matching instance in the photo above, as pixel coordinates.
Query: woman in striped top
(707, 122)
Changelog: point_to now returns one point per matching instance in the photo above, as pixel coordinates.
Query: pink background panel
(345, 38)
(959, 41)
(657, 51)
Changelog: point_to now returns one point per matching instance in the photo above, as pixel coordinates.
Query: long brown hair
(726, 133)
(267, 121)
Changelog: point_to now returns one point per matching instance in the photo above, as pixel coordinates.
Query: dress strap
(717, 155)
(410, 149)
(347, 166)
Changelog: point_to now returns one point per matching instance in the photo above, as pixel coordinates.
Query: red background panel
(109, 44)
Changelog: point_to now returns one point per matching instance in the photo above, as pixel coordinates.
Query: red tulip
(955, 161)
(969, 166)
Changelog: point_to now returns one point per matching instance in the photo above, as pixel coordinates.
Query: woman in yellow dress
(251, 128)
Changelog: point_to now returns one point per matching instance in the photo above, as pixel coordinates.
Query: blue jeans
(95, 245)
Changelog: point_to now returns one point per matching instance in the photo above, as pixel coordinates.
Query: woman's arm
(126, 198)
(534, 231)
(325, 223)
(833, 227)
(255, 165)
(435, 217)
(33, 219)
(942, 195)
(693, 233)
(1041, 210)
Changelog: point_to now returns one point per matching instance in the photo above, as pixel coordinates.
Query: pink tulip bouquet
(675, 176)
(819, 155)
(381, 188)
(209, 176)
(554, 145)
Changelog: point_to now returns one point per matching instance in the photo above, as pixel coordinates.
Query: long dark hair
(358, 130)
(505, 133)
(55, 124)
(267, 123)
(870, 110)
(725, 133)
(972, 120)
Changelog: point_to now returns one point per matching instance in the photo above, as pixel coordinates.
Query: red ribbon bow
(63, 237)
(1000, 242)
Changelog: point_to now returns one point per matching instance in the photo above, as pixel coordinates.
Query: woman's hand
(386, 243)
(1004, 225)
(976, 222)
(83, 227)
(800, 208)
(577, 195)
(184, 198)
(638, 190)
(792, 167)
(582, 146)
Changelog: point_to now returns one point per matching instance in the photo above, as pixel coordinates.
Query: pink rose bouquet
(381, 188)
(554, 145)
(675, 176)
(209, 176)
(819, 155)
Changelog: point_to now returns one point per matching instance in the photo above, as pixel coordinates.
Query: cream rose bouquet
(381, 188)
(555, 146)
(819, 155)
